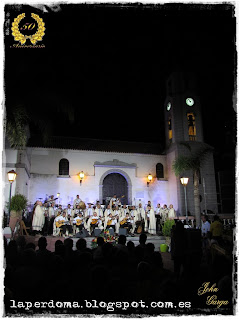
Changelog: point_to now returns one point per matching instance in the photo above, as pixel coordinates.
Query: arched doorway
(115, 183)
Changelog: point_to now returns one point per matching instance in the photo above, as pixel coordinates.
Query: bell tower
(182, 109)
(183, 123)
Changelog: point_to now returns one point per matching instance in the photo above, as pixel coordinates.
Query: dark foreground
(114, 280)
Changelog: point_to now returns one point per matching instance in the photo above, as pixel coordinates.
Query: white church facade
(54, 169)
(44, 176)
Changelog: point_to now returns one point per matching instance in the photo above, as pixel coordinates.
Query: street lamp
(184, 182)
(58, 195)
(149, 179)
(11, 178)
(81, 176)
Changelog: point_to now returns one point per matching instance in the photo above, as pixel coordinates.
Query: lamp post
(184, 182)
(204, 193)
(81, 176)
(11, 178)
(58, 194)
(149, 179)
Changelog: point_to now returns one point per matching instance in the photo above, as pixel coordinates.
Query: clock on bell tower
(182, 109)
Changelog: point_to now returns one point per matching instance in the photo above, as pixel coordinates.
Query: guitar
(94, 221)
(51, 200)
(123, 221)
(139, 229)
(109, 222)
(79, 222)
(60, 223)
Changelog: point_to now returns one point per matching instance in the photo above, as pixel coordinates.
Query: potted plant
(166, 230)
(17, 205)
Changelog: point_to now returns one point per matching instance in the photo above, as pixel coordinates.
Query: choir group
(55, 220)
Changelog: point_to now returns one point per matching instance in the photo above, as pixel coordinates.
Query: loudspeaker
(122, 231)
(111, 231)
(82, 234)
(96, 232)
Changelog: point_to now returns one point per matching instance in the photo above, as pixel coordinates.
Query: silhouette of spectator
(97, 253)
(131, 247)
(59, 249)
(30, 245)
(21, 243)
(178, 247)
(68, 244)
(12, 253)
(43, 254)
(140, 249)
(122, 243)
(81, 245)
(142, 240)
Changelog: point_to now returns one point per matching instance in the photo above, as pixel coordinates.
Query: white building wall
(45, 180)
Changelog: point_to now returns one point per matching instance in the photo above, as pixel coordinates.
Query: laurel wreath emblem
(18, 36)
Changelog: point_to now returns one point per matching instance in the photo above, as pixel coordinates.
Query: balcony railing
(227, 218)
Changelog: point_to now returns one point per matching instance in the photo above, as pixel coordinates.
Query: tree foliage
(167, 227)
(18, 202)
(193, 161)
(16, 127)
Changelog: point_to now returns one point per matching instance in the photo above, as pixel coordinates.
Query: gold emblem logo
(32, 29)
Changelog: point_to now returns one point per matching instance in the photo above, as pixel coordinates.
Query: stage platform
(156, 240)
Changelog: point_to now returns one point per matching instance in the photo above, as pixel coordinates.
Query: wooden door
(115, 183)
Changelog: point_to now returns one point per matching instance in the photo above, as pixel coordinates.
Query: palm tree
(20, 115)
(15, 126)
(193, 162)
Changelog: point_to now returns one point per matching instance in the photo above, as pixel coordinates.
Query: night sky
(108, 64)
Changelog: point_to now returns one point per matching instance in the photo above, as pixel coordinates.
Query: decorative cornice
(115, 164)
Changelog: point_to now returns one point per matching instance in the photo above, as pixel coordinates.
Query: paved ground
(156, 240)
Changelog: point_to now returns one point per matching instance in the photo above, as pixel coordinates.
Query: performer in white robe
(99, 210)
(66, 227)
(150, 222)
(51, 200)
(113, 221)
(89, 211)
(70, 212)
(135, 216)
(98, 224)
(149, 204)
(128, 222)
(171, 212)
(38, 217)
(113, 201)
(56, 230)
(79, 219)
(58, 210)
(51, 212)
(164, 213)
(76, 201)
(124, 210)
(117, 212)
(75, 212)
(141, 211)
(108, 211)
